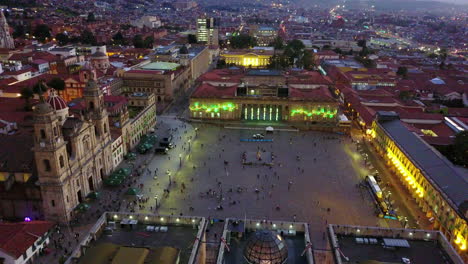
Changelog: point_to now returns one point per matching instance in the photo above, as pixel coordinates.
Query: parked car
(258, 136)
(161, 150)
(166, 144)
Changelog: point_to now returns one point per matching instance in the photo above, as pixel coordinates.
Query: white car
(258, 136)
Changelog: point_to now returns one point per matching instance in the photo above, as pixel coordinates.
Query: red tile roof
(16, 238)
(321, 94)
(208, 90)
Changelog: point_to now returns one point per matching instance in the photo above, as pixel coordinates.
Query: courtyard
(314, 177)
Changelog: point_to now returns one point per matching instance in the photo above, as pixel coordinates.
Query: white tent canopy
(269, 129)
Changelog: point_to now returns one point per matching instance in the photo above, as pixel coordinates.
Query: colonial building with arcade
(265, 95)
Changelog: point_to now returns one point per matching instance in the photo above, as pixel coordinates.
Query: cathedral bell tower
(95, 109)
(51, 159)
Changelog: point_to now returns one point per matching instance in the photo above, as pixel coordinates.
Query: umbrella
(93, 195)
(132, 191)
(82, 207)
(269, 129)
(125, 171)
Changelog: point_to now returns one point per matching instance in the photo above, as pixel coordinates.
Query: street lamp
(180, 160)
(189, 141)
(156, 203)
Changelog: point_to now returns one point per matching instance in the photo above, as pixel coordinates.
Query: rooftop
(364, 244)
(434, 166)
(16, 238)
(161, 66)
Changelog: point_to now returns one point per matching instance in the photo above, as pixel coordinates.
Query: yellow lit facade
(430, 199)
(247, 59)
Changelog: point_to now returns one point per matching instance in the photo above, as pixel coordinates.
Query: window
(68, 200)
(105, 128)
(55, 131)
(43, 135)
(52, 202)
(62, 163)
(46, 165)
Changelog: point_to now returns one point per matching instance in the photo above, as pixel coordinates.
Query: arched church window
(47, 165)
(61, 161)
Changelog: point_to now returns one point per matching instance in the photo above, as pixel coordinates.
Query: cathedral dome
(98, 54)
(264, 246)
(56, 101)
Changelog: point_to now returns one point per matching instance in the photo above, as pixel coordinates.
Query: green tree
(278, 43)
(308, 61)
(191, 39)
(62, 39)
(183, 50)
(138, 41)
(119, 39)
(402, 71)
(57, 83)
(27, 94)
(19, 31)
(40, 88)
(87, 37)
(148, 42)
(338, 51)
(91, 17)
(42, 32)
(362, 43)
(460, 148)
(242, 41)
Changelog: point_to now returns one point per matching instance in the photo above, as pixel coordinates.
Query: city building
(6, 41)
(370, 244)
(207, 31)
(22, 242)
(254, 58)
(147, 21)
(165, 80)
(265, 95)
(71, 159)
(438, 188)
(174, 240)
(100, 60)
(263, 34)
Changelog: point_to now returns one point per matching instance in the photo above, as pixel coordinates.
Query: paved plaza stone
(314, 178)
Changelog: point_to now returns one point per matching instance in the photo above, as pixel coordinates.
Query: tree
(364, 52)
(460, 148)
(402, 71)
(119, 39)
(42, 32)
(19, 31)
(40, 88)
(91, 17)
(278, 43)
(27, 94)
(57, 83)
(148, 42)
(138, 41)
(338, 51)
(362, 43)
(62, 39)
(242, 41)
(191, 39)
(184, 50)
(308, 60)
(221, 64)
(87, 37)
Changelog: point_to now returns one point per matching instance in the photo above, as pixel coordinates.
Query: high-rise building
(6, 41)
(207, 30)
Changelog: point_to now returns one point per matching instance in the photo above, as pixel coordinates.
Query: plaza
(314, 178)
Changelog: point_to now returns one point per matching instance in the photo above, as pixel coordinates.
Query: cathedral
(72, 154)
(6, 41)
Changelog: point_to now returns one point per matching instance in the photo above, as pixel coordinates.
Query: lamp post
(189, 145)
(180, 160)
(156, 202)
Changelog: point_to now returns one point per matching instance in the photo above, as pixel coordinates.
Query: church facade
(6, 41)
(73, 157)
